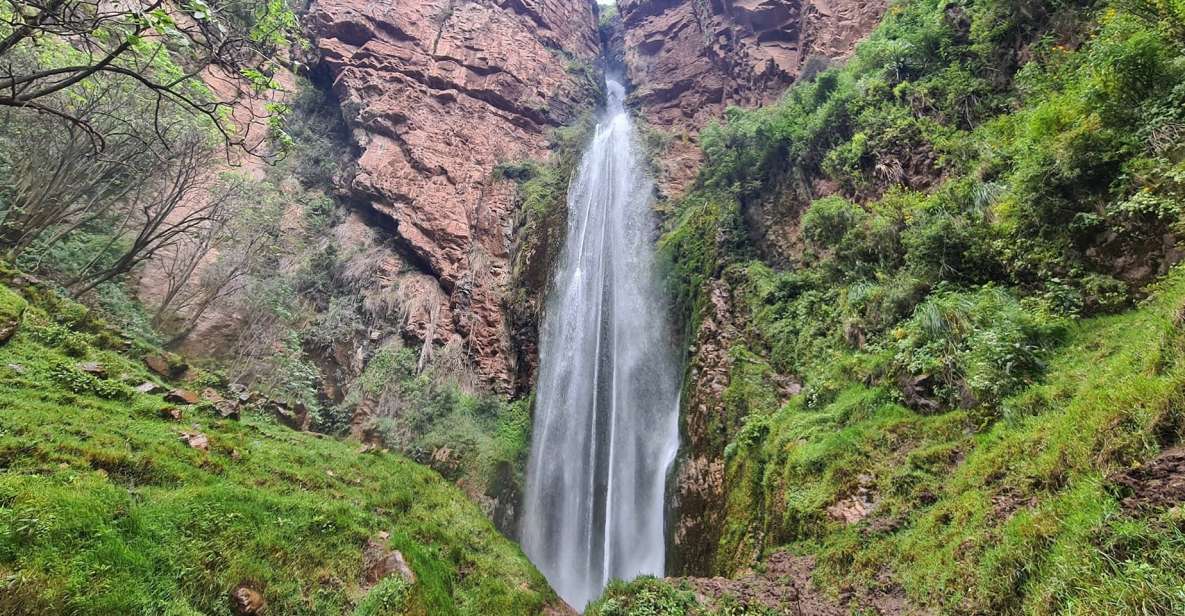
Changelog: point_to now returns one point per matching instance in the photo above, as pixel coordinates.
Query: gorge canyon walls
(438, 93)
(689, 60)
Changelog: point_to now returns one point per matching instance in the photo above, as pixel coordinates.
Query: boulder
(148, 387)
(8, 329)
(227, 409)
(93, 368)
(294, 416)
(245, 601)
(165, 366)
(171, 413)
(379, 562)
(159, 365)
(197, 440)
(182, 396)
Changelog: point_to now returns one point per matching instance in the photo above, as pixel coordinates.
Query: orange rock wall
(689, 60)
(437, 94)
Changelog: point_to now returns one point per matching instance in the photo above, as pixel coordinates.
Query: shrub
(977, 346)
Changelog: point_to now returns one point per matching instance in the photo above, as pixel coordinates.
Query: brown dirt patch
(1159, 484)
(785, 587)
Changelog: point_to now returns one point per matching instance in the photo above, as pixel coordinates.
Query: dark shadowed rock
(294, 416)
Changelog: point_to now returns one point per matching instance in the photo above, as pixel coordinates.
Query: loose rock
(378, 562)
(182, 396)
(148, 387)
(158, 364)
(197, 440)
(93, 368)
(8, 330)
(245, 601)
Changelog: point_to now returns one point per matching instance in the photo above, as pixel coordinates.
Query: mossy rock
(12, 308)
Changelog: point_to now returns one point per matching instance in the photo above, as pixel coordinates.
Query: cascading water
(606, 410)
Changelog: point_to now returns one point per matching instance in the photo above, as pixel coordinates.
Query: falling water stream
(606, 409)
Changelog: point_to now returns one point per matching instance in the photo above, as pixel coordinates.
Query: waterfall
(606, 408)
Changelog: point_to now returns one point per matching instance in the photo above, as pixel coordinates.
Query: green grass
(103, 510)
(987, 510)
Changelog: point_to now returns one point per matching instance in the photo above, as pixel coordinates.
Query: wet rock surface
(700, 479)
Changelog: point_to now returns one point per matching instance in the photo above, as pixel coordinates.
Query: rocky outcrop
(690, 60)
(699, 506)
(437, 93)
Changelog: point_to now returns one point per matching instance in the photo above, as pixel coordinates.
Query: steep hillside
(117, 497)
(690, 60)
(436, 95)
(894, 281)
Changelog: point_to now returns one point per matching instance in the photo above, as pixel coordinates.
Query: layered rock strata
(690, 60)
(437, 94)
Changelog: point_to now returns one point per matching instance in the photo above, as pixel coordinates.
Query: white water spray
(606, 411)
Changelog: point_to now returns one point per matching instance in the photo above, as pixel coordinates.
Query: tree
(227, 44)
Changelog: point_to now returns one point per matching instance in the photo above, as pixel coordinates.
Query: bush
(978, 346)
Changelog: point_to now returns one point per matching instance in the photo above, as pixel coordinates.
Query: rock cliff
(690, 60)
(438, 93)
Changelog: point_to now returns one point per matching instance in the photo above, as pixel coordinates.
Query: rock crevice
(438, 93)
(690, 60)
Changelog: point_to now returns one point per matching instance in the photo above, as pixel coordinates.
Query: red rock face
(688, 60)
(437, 94)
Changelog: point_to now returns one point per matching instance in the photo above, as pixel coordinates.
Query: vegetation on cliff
(949, 242)
(110, 504)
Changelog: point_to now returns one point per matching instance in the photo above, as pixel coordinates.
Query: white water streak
(606, 411)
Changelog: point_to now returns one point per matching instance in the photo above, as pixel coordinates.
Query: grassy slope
(1018, 516)
(1037, 122)
(103, 510)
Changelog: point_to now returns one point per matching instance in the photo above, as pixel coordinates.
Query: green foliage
(104, 511)
(387, 598)
(12, 306)
(977, 347)
(647, 596)
(421, 414)
(995, 179)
